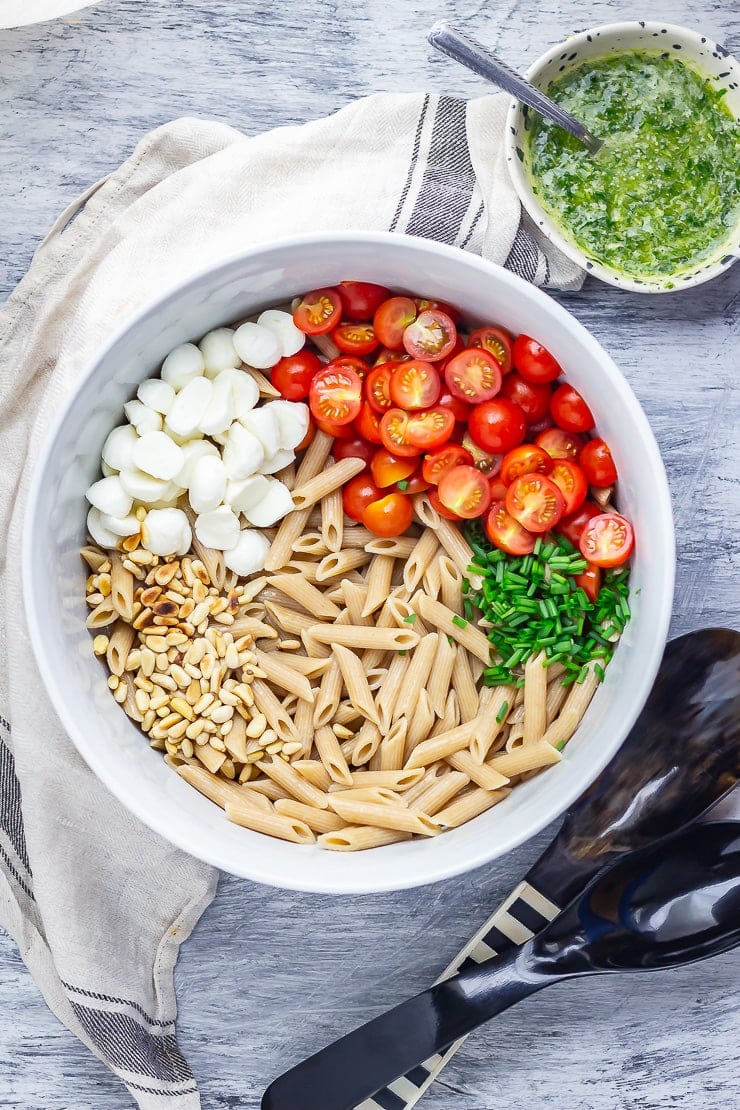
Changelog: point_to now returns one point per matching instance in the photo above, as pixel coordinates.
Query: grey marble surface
(269, 976)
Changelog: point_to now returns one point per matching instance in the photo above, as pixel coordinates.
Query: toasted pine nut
(100, 645)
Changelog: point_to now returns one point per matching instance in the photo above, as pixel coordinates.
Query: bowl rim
(542, 218)
(256, 869)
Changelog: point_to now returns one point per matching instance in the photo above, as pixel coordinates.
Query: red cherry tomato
(415, 385)
(497, 425)
(390, 356)
(487, 462)
(415, 484)
(352, 448)
(465, 491)
(505, 532)
(318, 312)
(598, 465)
(533, 361)
(411, 433)
(378, 388)
(571, 481)
(391, 320)
(431, 336)
(361, 299)
(393, 434)
(368, 423)
(589, 581)
(349, 362)
(292, 375)
(459, 409)
(607, 540)
(533, 399)
(436, 504)
(390, 516)
(497, 341)
(339, 431)
(560, 444)
(355, 339)
(335, 395)
(570, 411)
(423, 304)
(535, 502)
(438, 462)
(358, 494)
(527, 458)
(572, 525)
(387, 469)
(473, 376)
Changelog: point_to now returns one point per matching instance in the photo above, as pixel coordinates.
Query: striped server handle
(518, 918)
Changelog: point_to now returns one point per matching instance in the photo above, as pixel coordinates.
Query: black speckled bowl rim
(705, 54)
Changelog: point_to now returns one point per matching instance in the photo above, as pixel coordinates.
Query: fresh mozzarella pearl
(118, 448)
(242, 493)
(166, 532)
(196, 449)
(109, 496)
(207, 484)
(182, 365)
(121, 525)
(281, 325)
(257, 346)
(276, 503)
(143, 419)
(244, 391)
(248, 554)
(101, 535)
(220, 412)
(243, 454)
(156, 394)
(218, 528)
(189, 406)
(292, 419)
(107, 471)
(143, 487)
(183, 441)
(156, 454)
(262, 423)
(218, 351)
(277, 461)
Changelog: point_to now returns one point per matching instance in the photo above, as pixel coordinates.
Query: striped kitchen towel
(97, 903)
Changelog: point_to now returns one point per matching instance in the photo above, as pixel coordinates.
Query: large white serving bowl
(54, 576)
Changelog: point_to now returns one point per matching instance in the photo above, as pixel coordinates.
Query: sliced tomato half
(318, 311)
(387, 468)
(560, 444)
(415, 385)
(527, 458)
(473, 375)
(607, 540)
(391, 320)
(571, 481)
(464, 491)
(355, 339)
(335, 395)
(535, 502)
(431, 337)
(497, 341)
(378, 388)
(438, 462)
(507, 533)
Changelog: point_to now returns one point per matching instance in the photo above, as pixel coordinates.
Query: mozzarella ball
(182, 365)
(243, 454)
(143, 419)
(218, 529)
(218, 351)
(156, 394)
(101, 535)
(189, 406)
(277, 461)
(109, 496)
(248, 554)
(257, 346)
(276, 504)
(244, 391)
(196, 449)
(207, 484)
(292, 419)
(262, 423)
(290, 338)
(242, 493)
(219, 413)
(118, 448)
(166, 532)
(121, 525)
(156, 454)
(143, 487)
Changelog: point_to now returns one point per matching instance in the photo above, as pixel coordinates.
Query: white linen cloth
(98, 903)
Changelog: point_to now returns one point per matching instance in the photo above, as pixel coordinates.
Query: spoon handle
(458, 46)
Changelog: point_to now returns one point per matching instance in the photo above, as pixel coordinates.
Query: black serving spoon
(668, 904)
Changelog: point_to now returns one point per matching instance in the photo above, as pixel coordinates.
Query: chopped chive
(410, 618)
(402, 485)
(459, 622)
(502, 712)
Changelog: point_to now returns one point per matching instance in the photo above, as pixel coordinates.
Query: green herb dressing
(663, 193)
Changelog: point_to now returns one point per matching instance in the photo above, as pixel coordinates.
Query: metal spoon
(672, 903)
(448, 40)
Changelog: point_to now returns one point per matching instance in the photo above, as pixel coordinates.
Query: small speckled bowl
(698, 51)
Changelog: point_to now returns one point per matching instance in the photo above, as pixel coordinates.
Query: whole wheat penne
(383, 816)
(287, 476)
(121, 588)
(479, 773)
(535, 698)
(332, 520)
(529, 757)
(264, 786)
(357, 838)
(468, 698)
(450, 584)
(250, 626)
(268, 704)
(420, 724)
(393, 745)
(515, 738)
(333, 476)
(305, 567)
(285, 775)
(94, 557)
(338, 563)
(425, 512)
(314, 771)
(320, 820)
(467, 807)
(263, 383)
(367, 743)
(354, 636)
(438, 615)
(403, 616)
(102, 615)
(218, 790)
(440, 675)
(356, 536)
(556, 695)
(329, 694)
(287, 619)
(332, 756)
(353, 594)
(424, 551)
(355, 681)
(449, 719)
(416, 677)
(285, 828)
(576, 704)
(442, 746)
(495, 705)
(311, 544)
(440, 792)
(211, 559)
(236, 739)
(398, 547)
(306, 595)
(210, 758)
(456, 546)
(347, 714)
(314, 457)
(378, 795)
(291, 528)
(394, 780)
(386, 697)
(432, 580)
(378, 580)
(120, 642)
(280, 672)
(303, 724)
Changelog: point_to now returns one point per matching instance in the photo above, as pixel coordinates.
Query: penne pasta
(383, 816)
(442, 746)
(318, 820)
(263, 383)
(121, 588)
(496, 702)
(420, 724)
(358, 838)
(450, 584)
(310, 544)
(331, 755)
(479, 773)
(468, 806)
(355, 636)
(291, 528)
(281, 672)
(528, 757)
(120, 643)
(314, 771)
(397, 547)
(394, 780)
(464, 686)
(416, 677)
(424, 551)
(338, 563)
(456, 546)
(329, 694)
(439, 792)
(220, 791)
(286, 776)
(535, 698)
(332, 520)
(425, 512)
(315, 602)
(366, 744)
(378, 580)
(355, 682)
(438, 615)
(441, 675)
(332, 477)
(378, 795)
(392, 747)
(314, 457)
(285, 828)
(268, 704)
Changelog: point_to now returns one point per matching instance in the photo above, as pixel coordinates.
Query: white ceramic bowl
(55, 528)
(697, 50)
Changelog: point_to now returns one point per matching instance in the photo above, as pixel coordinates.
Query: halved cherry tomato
(387, 468)
(358, 493)
(497, 487)
(368, 423)
(360, 299)
(535, 502)
(527, 458)
(378, 388)
(533, 361)
(465, 491)
(335, 395)
(497, 425)
(533, 399)
(423, 304)
(355, 339)
(598, 465)
(339, 431)
(474, 375)
(497, 341)
(505, 532)
(589, 581)
(391, 320)
(438, 462)
(415, 385)
(572, 525)
(560, 444)
(459, 409)
(570, 411)
(350, 362)
(292, 375)
(436, 504)
(488, 462)
(352, 448)
(415, 484)
(390, 356)
(571, 481)
(607, 540)
(431, 336)
(390, 516)
(410, 433)
(459, 346)
(318, 311)
(393, 428)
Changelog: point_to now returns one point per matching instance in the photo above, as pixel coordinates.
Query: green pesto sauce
(662, 194)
